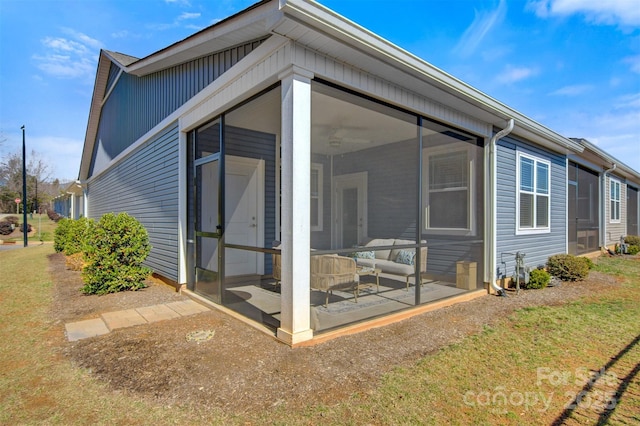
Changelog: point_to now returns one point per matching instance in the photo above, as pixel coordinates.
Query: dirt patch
(241, 370)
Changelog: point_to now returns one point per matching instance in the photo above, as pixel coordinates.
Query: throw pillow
(365, 255)
(406, 257)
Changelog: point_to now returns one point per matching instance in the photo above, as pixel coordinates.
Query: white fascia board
(248, 25)
(326, 21)
(99, 89)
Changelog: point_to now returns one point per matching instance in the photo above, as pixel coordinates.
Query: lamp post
(25, 227)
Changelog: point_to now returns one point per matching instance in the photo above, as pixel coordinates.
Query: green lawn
(527, 369)
(43, 226)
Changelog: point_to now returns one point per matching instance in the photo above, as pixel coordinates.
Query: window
(448, 189)
(316, 197)
(614, 197)
(533, 203)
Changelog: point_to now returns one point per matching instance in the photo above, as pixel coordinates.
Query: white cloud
(177, 22)
(625, 13)
(633, 61)
(573, 90)
(512, 74)
(628, 101)
(83, 38)
(121, 34)
(71, 58)
(187, 15)
(481, 25)
(617, 131)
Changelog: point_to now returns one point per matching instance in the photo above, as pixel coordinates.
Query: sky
(571, 65)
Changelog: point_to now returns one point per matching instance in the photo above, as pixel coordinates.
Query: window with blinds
(449, 190)
(614, 198)
(533, 193)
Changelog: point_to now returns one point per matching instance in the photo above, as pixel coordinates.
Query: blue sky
(572, 65)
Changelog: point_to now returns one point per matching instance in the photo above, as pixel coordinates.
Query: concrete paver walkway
(129, 317)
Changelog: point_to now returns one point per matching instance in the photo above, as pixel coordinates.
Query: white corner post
(182, 207)
(296, 227)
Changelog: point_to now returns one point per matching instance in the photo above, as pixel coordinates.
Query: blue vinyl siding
(137, 104)
(392, 169)
(537, 247)
(145, 185)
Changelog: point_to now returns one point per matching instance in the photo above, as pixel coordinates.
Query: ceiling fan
(339, 136)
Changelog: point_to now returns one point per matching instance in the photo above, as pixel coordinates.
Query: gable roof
(310, 24)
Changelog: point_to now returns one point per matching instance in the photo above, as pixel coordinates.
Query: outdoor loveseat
(398, 261)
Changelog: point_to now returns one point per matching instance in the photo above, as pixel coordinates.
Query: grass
(44, 227)
(527, 368)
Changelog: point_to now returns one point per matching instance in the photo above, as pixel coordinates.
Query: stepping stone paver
(187, 307)
(130, 317)
(84, 329)
(157, 313)
(121, 319)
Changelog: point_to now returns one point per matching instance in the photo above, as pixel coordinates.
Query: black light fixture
(25, 226)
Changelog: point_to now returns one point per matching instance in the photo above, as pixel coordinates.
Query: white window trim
(319, 168)
(471, 188)
(613, 181)
(534, 230)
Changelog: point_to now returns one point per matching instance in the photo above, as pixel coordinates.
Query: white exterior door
(350, 212)
(244, 221)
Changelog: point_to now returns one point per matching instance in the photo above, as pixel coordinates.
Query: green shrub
(118, 246)
(633, 240)
(60, 235)
(568, 267)
(633, 249)
(78, 233)
(538, 278)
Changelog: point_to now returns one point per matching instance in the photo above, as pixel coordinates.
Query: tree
(38, 172)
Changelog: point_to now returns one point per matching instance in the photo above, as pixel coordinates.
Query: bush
(118, 246)
(60, 235)
(13, 220)
(75, 262)
(632, 240)
(5, 228)
(538, 278)
(633, 249)
(78, 233)
(568, 267)
(29, 228)
(54, 216)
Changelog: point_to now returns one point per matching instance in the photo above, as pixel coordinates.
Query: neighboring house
(259, 148)
(603, 200)
(70, 204)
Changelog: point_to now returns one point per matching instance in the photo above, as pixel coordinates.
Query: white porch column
(295, 232)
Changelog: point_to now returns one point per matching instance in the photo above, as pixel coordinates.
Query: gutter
(603, 206)
(494, 205)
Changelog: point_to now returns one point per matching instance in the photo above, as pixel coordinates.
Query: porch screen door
(208, 229)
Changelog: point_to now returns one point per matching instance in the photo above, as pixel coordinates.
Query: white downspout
(603, 207)
(494, 205)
